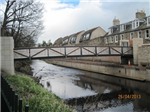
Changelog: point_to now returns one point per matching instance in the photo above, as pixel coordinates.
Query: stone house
(91, 34)
(123, 34)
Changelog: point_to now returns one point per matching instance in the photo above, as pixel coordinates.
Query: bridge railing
(71, 51)
(10, 99)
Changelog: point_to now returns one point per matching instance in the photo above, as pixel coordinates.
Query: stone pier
(7, 55)
(136, 43)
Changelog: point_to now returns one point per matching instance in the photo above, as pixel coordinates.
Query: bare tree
(22, 19)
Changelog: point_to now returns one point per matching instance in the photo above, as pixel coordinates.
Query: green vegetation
(45, 44)
(38, 98)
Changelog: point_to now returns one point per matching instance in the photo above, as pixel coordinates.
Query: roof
(89, 31)
(66, 37)
(58, 41)
(75, 34)
(129, 28)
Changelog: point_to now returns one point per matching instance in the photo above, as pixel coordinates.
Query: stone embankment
(113, 69)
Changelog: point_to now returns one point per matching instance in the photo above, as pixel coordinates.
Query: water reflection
(101, 93)
(109, 89)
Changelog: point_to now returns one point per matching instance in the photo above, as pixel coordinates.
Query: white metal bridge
(71, 51)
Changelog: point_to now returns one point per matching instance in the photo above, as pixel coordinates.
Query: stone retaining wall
(114, 70)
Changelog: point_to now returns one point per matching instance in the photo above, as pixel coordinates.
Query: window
(83, 37)
(106, 40)
(116, 38)
(131, 35)
(146, 34)
(137, 24)
(124, 43)
(65, 41)
(87, 36)
(133, 24)
(121, 37)
(111, 39)
(121, 27)
(73, 39)
(139, 34)
(148, 20)
(109, 32)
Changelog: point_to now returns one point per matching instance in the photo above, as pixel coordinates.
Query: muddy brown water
(84, 94)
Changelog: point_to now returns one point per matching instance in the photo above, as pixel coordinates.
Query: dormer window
(135, 24)
(122, 27)
(87, 36)
(131, 35)
(65, 41)
(110, 31)
(148, 21)
(73, 39)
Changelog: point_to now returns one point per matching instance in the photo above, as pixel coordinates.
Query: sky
(65, 17)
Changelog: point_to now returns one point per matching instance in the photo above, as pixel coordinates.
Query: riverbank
(23, 67)
(38, 98)
(113, 69)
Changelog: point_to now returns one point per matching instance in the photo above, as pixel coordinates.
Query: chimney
(140, 14)
(116, 22)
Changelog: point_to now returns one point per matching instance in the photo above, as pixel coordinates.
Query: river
(82, 93)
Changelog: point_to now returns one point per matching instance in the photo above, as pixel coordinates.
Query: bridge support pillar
(7, 54)
(136, 43)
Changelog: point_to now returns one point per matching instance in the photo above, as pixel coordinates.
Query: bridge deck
(71, 51)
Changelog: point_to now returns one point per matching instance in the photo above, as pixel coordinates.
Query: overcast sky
(65, 17)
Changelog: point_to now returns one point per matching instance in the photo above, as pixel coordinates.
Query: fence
(10, 98)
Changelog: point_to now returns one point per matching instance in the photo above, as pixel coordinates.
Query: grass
(38, 98)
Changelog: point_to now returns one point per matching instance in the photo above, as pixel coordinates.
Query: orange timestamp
(129, 96)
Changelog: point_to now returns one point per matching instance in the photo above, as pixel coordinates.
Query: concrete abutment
(7, 54)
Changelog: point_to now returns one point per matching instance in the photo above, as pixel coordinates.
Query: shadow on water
(114, 94)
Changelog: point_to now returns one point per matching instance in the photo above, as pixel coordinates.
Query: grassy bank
(38, 98)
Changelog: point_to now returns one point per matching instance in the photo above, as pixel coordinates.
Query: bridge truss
(71, 51)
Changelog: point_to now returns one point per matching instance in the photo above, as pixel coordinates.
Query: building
(92, 33)
(58, 42)
(122, 34)
(75, 38)
(65, 40)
